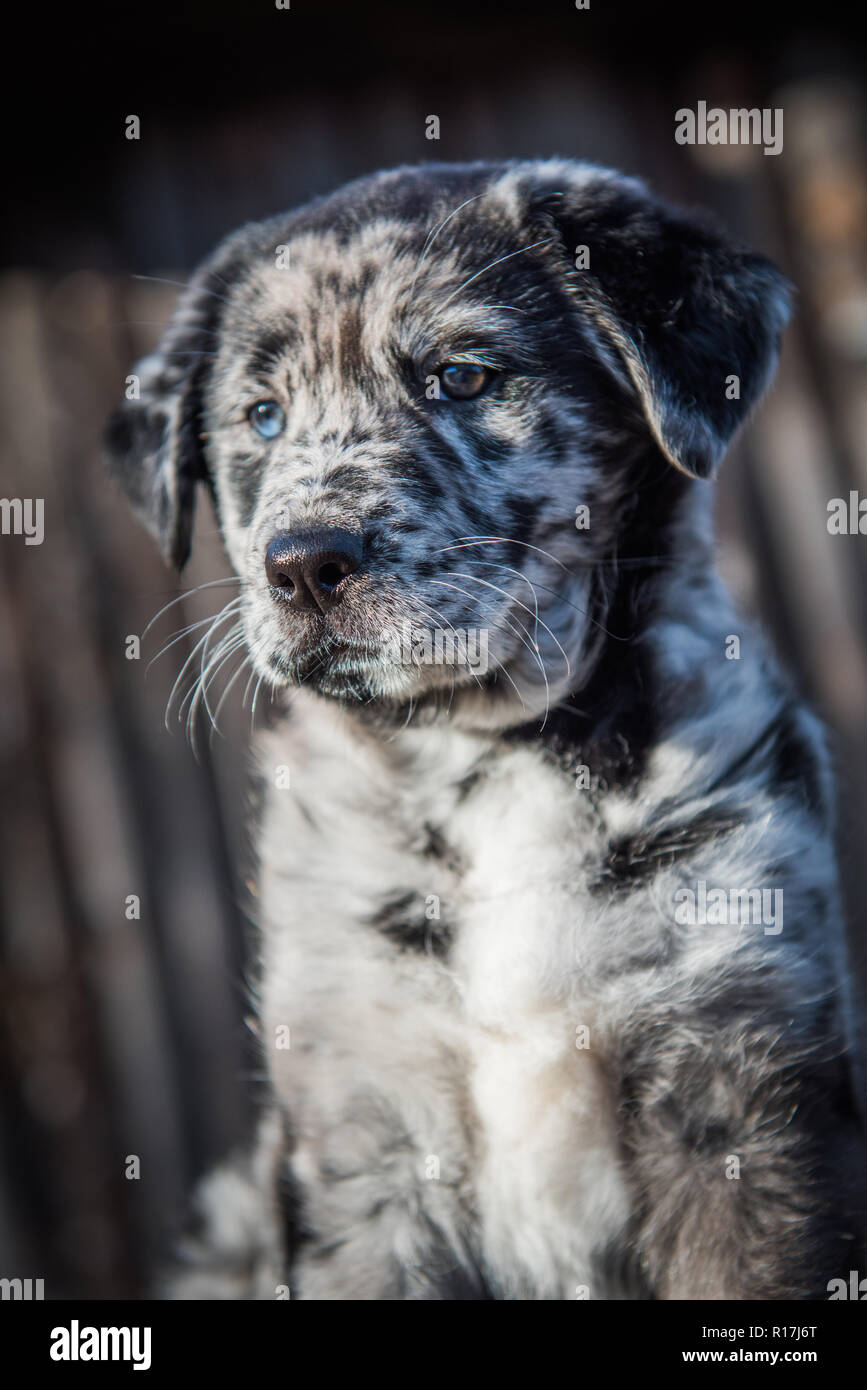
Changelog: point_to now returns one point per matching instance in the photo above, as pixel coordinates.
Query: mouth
(390, 667)
(342, 668)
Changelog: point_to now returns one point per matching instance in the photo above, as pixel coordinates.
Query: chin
(345, 676)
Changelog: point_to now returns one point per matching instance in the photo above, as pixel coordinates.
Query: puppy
(552, 992)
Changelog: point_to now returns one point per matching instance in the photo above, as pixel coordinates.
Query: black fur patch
(796, 767)
(246, 475)
(612, 722)
(437, 847)
(633, 860)
(404, 921)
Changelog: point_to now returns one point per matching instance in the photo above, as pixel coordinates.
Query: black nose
(308, 567)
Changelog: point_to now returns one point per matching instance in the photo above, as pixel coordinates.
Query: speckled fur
(446, 910)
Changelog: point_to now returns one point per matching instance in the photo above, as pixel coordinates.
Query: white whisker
(432, 236)
(187, 593)
(539, 623)
(520, 252)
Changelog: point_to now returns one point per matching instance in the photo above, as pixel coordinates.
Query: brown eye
(463, 381)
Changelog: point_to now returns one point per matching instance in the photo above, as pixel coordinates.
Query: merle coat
(506, 1058)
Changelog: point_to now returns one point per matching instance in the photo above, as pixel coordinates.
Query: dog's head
(435, 408)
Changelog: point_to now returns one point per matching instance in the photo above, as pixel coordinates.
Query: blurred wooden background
(121, 1037)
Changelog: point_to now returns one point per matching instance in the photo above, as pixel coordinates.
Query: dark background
(122, 1037)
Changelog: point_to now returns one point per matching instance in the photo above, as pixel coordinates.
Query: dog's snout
(307, 568)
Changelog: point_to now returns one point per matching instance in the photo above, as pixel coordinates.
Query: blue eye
(463, 381)
(267, 419)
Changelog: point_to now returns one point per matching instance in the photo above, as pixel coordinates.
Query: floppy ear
(694, 319)
(154, 441)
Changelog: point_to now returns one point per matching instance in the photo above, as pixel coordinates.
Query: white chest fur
(483, 1056)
